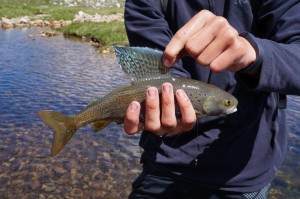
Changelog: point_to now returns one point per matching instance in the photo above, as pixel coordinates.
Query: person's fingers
(131, 120)
(152, 111)
(239, 55)
(168, 118)
(203, 38)
(188, 116)
(179, 40)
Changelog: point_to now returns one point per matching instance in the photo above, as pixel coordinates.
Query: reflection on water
(60, 74)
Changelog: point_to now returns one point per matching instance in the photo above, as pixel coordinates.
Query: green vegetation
(108, 33)
(18, 8)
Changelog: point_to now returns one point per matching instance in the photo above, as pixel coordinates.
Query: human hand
(213, 42)
(163, 121)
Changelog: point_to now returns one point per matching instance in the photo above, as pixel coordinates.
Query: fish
(145, 69)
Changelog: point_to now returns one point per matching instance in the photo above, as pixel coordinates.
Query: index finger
(177, 43)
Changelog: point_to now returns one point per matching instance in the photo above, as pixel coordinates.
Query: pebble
(41, 196)
(59, 170)
(48, 188)
(34, 184)
(71, 164)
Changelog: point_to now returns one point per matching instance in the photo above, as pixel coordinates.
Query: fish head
(220, 105)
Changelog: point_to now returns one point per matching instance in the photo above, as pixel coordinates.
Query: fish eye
(227, 102)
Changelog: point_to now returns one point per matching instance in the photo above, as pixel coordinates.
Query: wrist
(254, 68)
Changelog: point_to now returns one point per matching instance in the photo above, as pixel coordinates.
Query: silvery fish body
(144, 67)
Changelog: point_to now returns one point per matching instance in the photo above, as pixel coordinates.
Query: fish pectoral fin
(198, 113)
(101, 124)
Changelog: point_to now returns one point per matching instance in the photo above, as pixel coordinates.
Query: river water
(64, 74)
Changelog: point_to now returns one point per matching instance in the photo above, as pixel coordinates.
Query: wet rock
(41, 196)
(40, 167)
(59, 170)
(3, 179)
(7, 23)
(48, 187)
(24, 20)
(34, 184)
(71, 164)
(48, 34)
(51, 197)
(96, 175)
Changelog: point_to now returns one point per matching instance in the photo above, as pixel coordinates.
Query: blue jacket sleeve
(146, 26)
(278, 34)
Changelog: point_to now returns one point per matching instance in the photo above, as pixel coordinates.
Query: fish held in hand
(145, 68)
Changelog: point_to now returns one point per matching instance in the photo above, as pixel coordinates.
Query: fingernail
(166, 88)
(181, 94)
(133, 107)
(151, 92)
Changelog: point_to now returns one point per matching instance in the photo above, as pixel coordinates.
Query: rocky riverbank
(38, 20)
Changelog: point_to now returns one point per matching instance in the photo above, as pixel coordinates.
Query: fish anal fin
(101, 124)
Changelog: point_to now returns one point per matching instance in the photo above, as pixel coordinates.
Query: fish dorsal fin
(141, 63)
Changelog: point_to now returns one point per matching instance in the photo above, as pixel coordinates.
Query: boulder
(7, 23)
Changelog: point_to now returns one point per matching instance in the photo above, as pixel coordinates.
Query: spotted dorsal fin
(141, 63)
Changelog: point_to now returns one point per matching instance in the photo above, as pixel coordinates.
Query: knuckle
(180, 34)
(191, 49)
(152, 106)
(231, 35)
(220, 21)
(237, 47)
(201, 60)
(188, 123)
(152, 126)
(205, 13)
(169, 124)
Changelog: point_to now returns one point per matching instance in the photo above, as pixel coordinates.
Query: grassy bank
(18, 8)
(108, 33)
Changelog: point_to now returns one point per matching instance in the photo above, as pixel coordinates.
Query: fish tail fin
(63, 126)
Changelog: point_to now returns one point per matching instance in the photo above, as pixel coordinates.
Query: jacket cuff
(256, 65)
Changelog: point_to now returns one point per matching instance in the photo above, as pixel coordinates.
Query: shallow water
(65, 75)
(62, 74)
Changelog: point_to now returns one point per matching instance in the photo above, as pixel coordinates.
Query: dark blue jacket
(242, 151)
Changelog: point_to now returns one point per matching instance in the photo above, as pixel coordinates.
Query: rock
(7, 23)
(48, 34)
(105, 51)
(41, 196)
(24, 20)
(40, 167)
(71, 164)
(34, 184)
(59, 170)
(38, 22)
(48, 188)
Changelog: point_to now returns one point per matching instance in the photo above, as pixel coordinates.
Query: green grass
(109, 33)
(18, 8)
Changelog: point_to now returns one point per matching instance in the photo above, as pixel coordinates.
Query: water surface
(62, 74)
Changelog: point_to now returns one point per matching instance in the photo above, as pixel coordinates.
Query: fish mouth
(231, 110)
